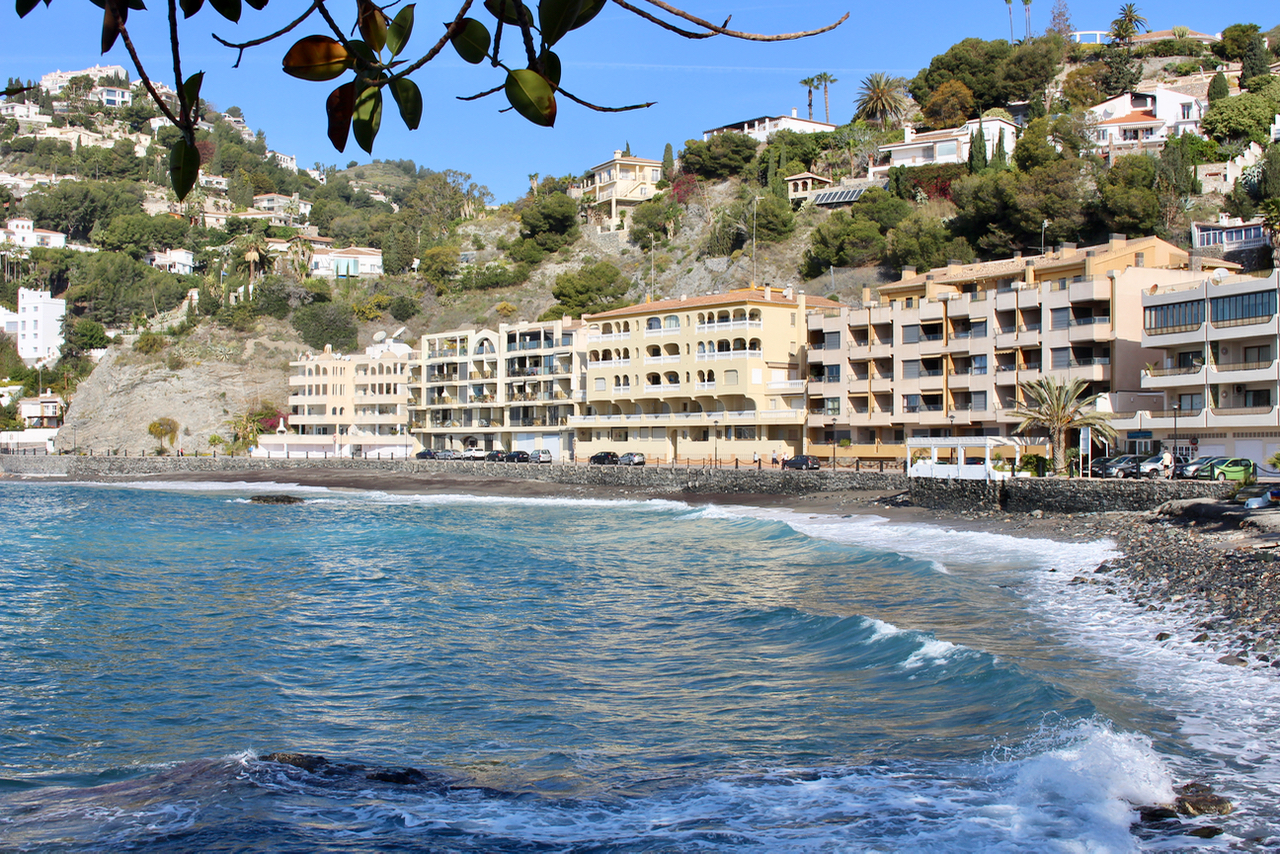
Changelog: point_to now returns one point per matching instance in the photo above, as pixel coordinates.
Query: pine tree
(1218, 87)
(1257, 59)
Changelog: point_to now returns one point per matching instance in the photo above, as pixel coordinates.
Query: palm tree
(881, 99)
(810, 83)
(1128, 24)
(252, 248)
(1270, 210)
(1057, 407)
(825, 80)
(1009, 3)
(1026, 8)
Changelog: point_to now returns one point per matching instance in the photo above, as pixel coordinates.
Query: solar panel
(838, 197)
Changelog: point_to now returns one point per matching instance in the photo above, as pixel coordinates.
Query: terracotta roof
(751, 295)
(1141, 117)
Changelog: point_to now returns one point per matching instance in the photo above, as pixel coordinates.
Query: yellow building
(942, 353)
(720, 376)
(616, 186)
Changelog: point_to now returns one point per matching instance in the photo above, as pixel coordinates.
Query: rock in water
(1198, 799)
(275, 499)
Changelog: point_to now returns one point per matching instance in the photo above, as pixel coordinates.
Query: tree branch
(439, 46)
(480, 95)
(600, 109)
(142, 72)
(184, 109)
(661, 23)
(757, 37)
(255, 42)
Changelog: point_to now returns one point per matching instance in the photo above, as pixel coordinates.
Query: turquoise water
(583, 676)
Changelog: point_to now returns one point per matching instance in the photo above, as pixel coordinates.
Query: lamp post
(1176, 407)
(755, 205)
(1043, 225)
(716, 441)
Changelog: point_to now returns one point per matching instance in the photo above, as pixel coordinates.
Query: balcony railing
(1174, 372)
(1240, 366)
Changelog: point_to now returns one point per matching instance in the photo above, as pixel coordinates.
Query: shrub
(402, 308)
(149, 343)
(326, 323)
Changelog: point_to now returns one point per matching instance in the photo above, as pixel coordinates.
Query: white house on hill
(760, 129)
(951, 145)
(36, 326)
(1134, 122)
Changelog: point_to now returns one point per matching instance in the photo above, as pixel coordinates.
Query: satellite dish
(1219, 274)
(379, 337)
(399, 333)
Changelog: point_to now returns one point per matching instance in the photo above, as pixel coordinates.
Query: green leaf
(340, 104)
(111, 26)
(373, 24)
(361, 50)
(367, 117)
(509, 11)
(472, 41)
(25, 6)
(316, 58)
(555, 17)
(191, 89)
(400, 30)
(590, 9)
(229, 9)
(532, 96)
(184, 164)
(257, 4)
(409, 100)
(551, 67)
(190, 7)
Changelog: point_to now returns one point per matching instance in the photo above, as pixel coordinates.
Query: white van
(542, 456)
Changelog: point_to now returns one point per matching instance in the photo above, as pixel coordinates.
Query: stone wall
(1057, 495)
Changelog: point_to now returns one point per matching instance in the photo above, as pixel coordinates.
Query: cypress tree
(668, 163)
(978, 151)
(1256, 61)
(999, 158)
(1218, 87)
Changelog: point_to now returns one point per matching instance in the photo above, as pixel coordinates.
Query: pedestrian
(775, 459)
(1166, 463)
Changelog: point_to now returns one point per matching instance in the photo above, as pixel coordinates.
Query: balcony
(1089, 329)
(609, 336)
(1163, 378)
(749, 416)
(610, 363)
(661, 388)
(1243, 372)
(786, 385)
(662, 360)
(724, 355)
(728, 325)
(1094, 290)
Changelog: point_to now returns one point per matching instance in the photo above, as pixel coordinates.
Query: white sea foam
(932, 651)
(216, 486)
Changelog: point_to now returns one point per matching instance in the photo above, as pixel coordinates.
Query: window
(978, 401)
(730, 377)
(1261, 353)
(1060, 358)
(946, 149)
(600, 381)
(911, 369)
(911, 334)
(831, 341)
(833, 374)
(911, 403)
(1243, 307)
(1191, 402)
(1186, 111)
(1257, 397)
(978, 329)
(1178, 315)
(978, 364)
(1059, 318)
(748, 432)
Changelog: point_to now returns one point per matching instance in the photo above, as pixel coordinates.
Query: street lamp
(716, 441)
(1176, 407)
(755, 204)
(1043, 225)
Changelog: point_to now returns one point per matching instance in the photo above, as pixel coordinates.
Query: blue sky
(616, 60)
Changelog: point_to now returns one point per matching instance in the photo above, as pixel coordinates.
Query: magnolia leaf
(316, 58)
(25, 6)
(229, 9)
(257, 4)
(550, 67)
(102, 4)
(361, 51)
(532, 95)
(184, 164)
(409, 100)
(367, 117)
(373, 25)
(340, 104)
(509, 11)
(190, 7)
(472, 41)
(111, 26)
(400, 30)
(555, 17)
(590, 8)
(191, 89)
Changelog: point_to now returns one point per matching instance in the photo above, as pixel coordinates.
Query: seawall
(1016, 495)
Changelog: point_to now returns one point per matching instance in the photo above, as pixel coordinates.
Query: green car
(1230, 468)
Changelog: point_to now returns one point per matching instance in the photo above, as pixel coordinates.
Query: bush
(149, 343)
(402, 308)
(326, 323)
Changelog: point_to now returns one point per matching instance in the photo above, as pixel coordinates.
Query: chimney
(768, 292)
(1017, 255)
(1117, 241)
(793, 112)
(1064, 248)
(617, 153)
(908, 133)
(1088, 263)
(789, 292)
(683, 297)
(907, 273)
(1029, 272)
(866, 294)
(954, 265)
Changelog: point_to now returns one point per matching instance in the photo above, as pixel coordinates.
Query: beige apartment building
(347, 405)
(703, 378)
(942, 353)
(616, 186)
(1212, 377)
(510, 389)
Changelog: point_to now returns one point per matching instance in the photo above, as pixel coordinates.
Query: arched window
(655, 350)
(702, 347)
(755, 345)
(673, 378)
(740, 314)
(739, 344)
(653, 324)
(754, 315)
(722, 346)
(711, 376)
(671, 321)
(652, 379)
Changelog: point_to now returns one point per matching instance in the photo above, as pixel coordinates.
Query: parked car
(542, 456)
(603, 458)
(631, 458)
(473, 454)
(1122, 465)
(1193, 468)
(426, 454)
(495, 456)
(1233, 468)
(517, 457)
(803, 462)
(1154, 466)
(447, 454)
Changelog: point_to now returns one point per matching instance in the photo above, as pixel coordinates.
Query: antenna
(379, 337)
(398, 334)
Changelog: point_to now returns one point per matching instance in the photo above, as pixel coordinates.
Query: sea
(547, 675)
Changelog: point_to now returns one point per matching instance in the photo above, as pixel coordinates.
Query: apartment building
(514, 388)
(720, 376)
(1213, 371)
(942, 353)
(36, 327)
(614, 187)
(348, 405)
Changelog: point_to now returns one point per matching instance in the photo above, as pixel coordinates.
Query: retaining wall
(1057, 495)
